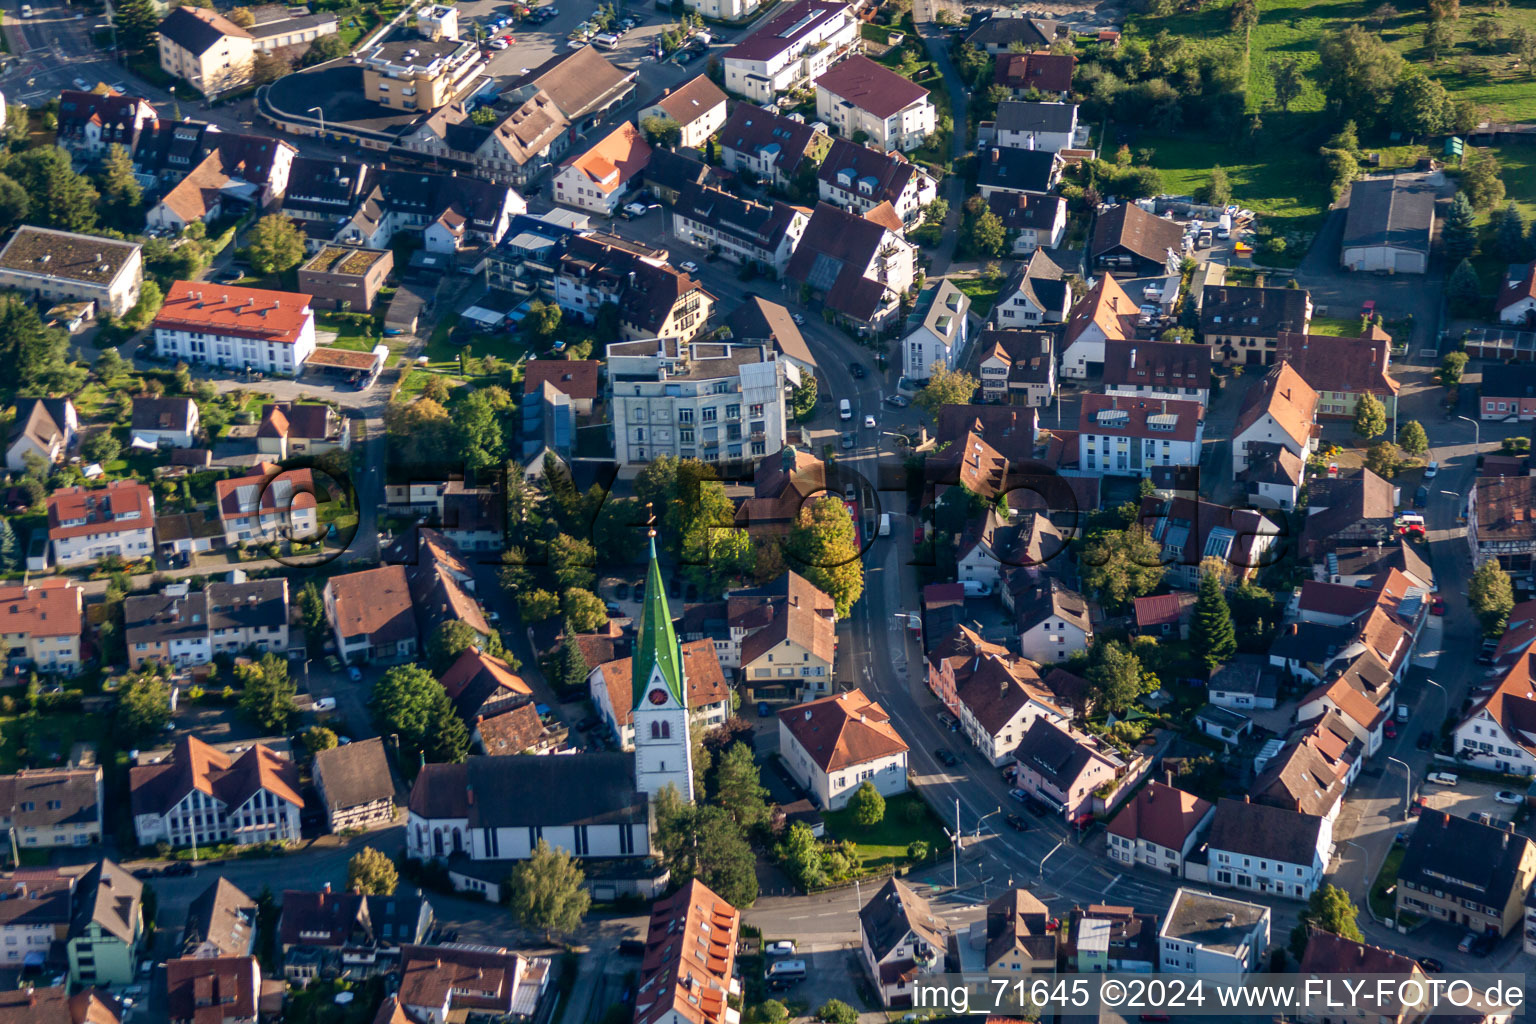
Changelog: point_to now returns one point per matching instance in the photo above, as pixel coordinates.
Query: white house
(1364, 719)
(941, 335)
(1268, 849)
(59, 266)
(164, 422)
(1516, 303)
(1035, 294)
(1206, 933)
(597, 179)
(248, 329)
(697, 107)
(1282, 410)
(1496, 733)
(1052, 621)
(1031, 221)
(1122, 436)
(901, 940)
(45, 427)
(861, 98)
(998, 699)
(1158, 828)
(1105, 314)
(1039, 126)
(860, 178)
(837, 743)
(790, 49)
(201, 795)
(86, 525)
(744, 231)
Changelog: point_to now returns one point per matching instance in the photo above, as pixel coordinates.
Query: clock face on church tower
(658, 697)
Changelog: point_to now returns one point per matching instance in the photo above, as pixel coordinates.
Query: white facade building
(815, 741)
(940, 336)
(790, 49)
(1206, 933)
(239, 328)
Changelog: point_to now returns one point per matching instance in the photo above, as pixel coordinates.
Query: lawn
(1383, 905)
(43, 740)
(1338, 327)
(982, 293)
(349, 333)
(884, 846)
(1283, 183)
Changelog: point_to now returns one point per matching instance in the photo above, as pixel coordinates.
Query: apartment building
(206, 49)
(417, 74)
(790, 49)
(838, 743)
(88, 524)
(199, 794)
(40, 624)
(237, 328)
(60, 266)
(858, 97)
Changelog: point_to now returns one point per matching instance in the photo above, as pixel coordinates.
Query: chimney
(327, 887)
(469, 794)
(1133, 357)
(995, 154)
(1168, 777)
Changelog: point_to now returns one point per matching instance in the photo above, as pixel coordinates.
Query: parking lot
(1471, 797)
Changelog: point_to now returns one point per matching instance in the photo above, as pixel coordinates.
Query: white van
(786, 969)
(844, 409)
(885, 524)
(605, 40)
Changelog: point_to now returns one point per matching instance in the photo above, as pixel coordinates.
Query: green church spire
(657, 646)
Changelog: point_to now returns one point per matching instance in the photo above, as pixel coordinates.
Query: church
(482, 816)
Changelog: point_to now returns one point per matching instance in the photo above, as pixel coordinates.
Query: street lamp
(983, 818)
(1407, 785)
(1049, 856)
(321, 112)
(1477, 431)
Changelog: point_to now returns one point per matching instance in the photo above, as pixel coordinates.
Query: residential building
(1103, 939)
(857, 267)
(1281, 410)
(1191, 530)
(35, 917)
(530, 133)
(90, 122)
(1314, 767)
(1388, 223)
(998, 696)
(519, 730)
(758, 321)
(1051, 127)
(1243, 323)
(697, 107)
(1501, 522)
(1158, 828)
(668, 173)
(225, 172)
(1274, 476)
(770, 146)
(999, 546)
(761, 235)
(1206, 933)
(999, 33)
(1348, 509)
(201, 795)
(1516, 304)
(654, 300)
(857, 96)
(1157, 369)
(220, 922)
(861, 177)
(48, 428)
(302, 428)
(345, 278)
(1268, 849)
(687, 975)
(1466, 873)
(577, 379)
(611, 685)
(321, 932)
(450, 212)
(1130, 436)
(60, 266)
(107, 931)
(473, 981)
(1330, 954)
(1015, 367)
(164, 422)
(1021, 939)
(1242, 684)
(952, 657)
(1010, 172)
(238, 328)
(213, 990)
(1131, 240)
(780, 488)
(1363, 717)
(278, 27)
(782, 639)
(597, 179)
(1035, 294)
(1509, 395)
(86, 525)
(1103, 315)
(1340, 370)
(838, 743)
(492, 808)
(1038, 73)
(584, 85)
(55, 1005)
(938, 329)
(1165, 615)
(1221, 724)
(205, 49)
(902, 940)
(1495, 733)
(710, 400)
(790, 49)
(48, 807)
(419, 74)
(269, 505)
(355, 785)
(481, 685)
(1031, 221)
(40, 625)
(725, 10)
(1062, 767)
(1052, 620)
(371, 614)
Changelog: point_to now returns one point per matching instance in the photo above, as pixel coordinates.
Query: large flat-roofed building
(60, 266)
(345, 277)
(790, 49)
(241, 328)
(415, 74)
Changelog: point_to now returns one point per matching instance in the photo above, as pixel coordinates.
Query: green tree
(1370, 417)
(413, 705)
(823, 547)
(662, 131)
(1330, 909)
(267, 698)
(142, 313)
(14, 203)
(121, 194)
(1288, 79)
(10, 553)
(312, 614)
(1121, 565)
(1438, 37)
(917, 851)
(1341, 158)
(739, 788)
(1482, 181)
(318, 738)
(1211, 634)
(835, 1011)
(1452, 367)
(143, 707)
(981, 231)
(59, 197)
(275, 245)
(1243, 15)
(1217, 191)
(372, 873)
(800, 856)
(1510, 241)
(571, 670)
(1116, 675)
(1459, 236)
(451, 639)
(100, 446)
(771, 1011)
(547, 891)
(1358, 73)
(136, 21)
(478, 431)
(802, 400)
(537, 605)
(323, 49)
(1381, 459)
(1491, 596)
(110, 367)
(706, 843)
(542, 319)
(1421, 106)
(585, 610)
(945, 387)
(867, 805)
(1464, 291)
(1412, 439)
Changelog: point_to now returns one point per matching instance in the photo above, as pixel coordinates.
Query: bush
(835, 1011)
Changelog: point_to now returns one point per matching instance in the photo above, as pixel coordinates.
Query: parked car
(1017, 823)
(1442, 778)
(631, 947)
(858, 371)
(1432, 470)
(689, 266)
(1431, 965)
(798, 318)
(354, 673)
(1390, 729)
(324, 704)
(899, 401)
(1437, 605)
(763, 710)
(783, 947)
(1505, 796)
(947, 757)
(1421, 497)
(613, 610)
(949, 721)
(1475, 943)
(869, 422)
(847, 441)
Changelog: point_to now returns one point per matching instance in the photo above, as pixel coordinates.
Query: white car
(575, 44)
(1442, 778)
(636, 209)
(799, 319)
(1504, 796)
(784, 947)
(498, 44)
(690, 266)
(324, 704)
(1432, 470)
(26, 10)
(869, 421)
(82, 85)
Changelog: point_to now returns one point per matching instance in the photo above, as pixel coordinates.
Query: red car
(1390, 729)
(1437, 606)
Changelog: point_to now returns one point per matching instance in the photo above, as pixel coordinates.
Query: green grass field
(885, 845)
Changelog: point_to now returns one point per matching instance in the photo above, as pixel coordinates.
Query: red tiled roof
(232, 311)
(102, 508)
(843, 730)
(1161, 814)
